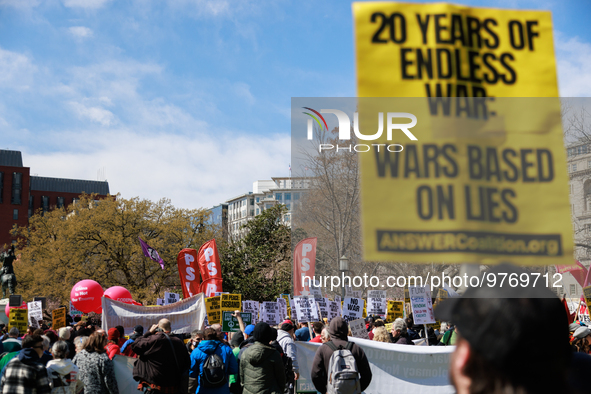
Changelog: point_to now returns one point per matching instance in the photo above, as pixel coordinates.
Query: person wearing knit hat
(261, 367)
(138, 331)
(112, 346)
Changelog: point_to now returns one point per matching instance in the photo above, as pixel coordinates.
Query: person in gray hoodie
(62, 371)
(285, 339)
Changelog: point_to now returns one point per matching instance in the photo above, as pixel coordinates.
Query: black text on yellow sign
(18, 318)
(59, 318)
(213, 309)
(487, 189)
(445, 50)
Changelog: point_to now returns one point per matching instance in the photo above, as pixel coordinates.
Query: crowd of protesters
(496, 351)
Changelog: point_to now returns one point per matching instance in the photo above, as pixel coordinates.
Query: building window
(288, 207)
(258, 199)
(279, 196)
(45, 203)
(1, 186)
(287, 196)
(15, 214)
(60, 202)
(17, 187)
(257, 211)
(573, 289)
(574, 167)
(296, 196)
(31, 209)
(252, 202)
(252, 212)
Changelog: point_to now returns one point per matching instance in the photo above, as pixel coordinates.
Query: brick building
(22, 194)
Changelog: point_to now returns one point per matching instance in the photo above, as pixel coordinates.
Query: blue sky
(190, 99)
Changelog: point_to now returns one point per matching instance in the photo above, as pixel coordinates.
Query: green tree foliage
(98, 240)
(258, 266)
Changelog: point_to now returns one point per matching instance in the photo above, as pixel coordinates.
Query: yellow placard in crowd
(231, 302)
(213, 309)
(587, 295)
(59, 318)
(447, 50)
(18, 318)
(395, 310)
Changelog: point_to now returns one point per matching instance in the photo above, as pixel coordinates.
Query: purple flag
(151, 253)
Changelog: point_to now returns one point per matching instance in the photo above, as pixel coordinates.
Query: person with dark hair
(285, 339)
(411, 328)
(338, 330)
(138, 331)
(96, 368)
(261, 368)
(582, 339)
(196, 337)
(122, 339)
(62, 371)
(302, 334)
(24, 373)
(317, 327)
(498, 348)
(113, 343)
(205, 376)
(163, 360)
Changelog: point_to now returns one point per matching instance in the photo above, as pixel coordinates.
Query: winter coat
(338, 330)
(64, 376)
(157, 364)
(97, 372)
(287, 343)
(199, 356)
(112, 350)
(24, 374)
(261, 370)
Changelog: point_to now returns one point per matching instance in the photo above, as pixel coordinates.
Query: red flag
(304, 264)
(578, 271)
(210, 267)
(188, 271)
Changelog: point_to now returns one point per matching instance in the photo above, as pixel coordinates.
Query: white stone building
(265, 194)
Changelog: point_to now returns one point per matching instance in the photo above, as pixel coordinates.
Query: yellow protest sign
(59, 318)
(231, 302)
(18, 318)
(447, 50)
(395, 310)
(587, 295)
(468, 188)
(213, 309)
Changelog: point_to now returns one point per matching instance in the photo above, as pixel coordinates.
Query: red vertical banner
(189, 272)
(304, 265)
(210, 267)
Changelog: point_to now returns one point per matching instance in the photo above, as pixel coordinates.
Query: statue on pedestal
(7, 272)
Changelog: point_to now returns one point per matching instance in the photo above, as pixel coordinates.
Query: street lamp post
(343, 267)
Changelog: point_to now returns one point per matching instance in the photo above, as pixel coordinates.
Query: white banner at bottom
(395, 368)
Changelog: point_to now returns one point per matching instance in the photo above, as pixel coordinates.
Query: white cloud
(96, 114)
(80, 31)
(243, 90)
(87, 4)
(197, 170)
(16, 70)
(23, 4)
(573, 60)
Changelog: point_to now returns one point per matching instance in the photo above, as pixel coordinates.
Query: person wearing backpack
(261, 368)
(340, 366)
(211, 363)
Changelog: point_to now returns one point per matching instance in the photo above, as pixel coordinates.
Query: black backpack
(213, 373)
(287, 363)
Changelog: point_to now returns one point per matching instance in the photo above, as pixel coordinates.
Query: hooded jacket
(338, 330)
(198, 358)
(261, 370)
(64, 373)
(24, 374)
(288, 345)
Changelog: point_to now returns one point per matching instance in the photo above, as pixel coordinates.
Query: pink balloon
(119, 293)
(8, 308)
(86, 295)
